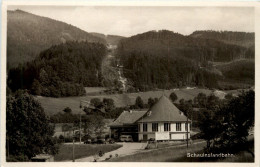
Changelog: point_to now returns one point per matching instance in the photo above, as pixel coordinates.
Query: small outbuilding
(126, 124)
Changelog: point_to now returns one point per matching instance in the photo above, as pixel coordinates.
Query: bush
(68, 140)
(61, 137)
(173, 97)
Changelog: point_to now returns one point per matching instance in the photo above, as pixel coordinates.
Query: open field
(83, 150)
(94, 90)
(55, 105)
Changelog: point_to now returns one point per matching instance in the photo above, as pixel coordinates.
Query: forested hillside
(29, 34)
(165, 59)
(237, 38)
(237, 74)
(62, 70)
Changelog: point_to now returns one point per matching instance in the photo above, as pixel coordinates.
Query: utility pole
(73, 148)
(187, 126)
(80, 128)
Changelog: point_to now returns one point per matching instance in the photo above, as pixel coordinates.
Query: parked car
(110, 141)
(126, 138)
(101, 141)
(87, 141)
(98, 140)
(93, 140)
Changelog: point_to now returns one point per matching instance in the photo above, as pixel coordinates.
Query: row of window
(167, 127)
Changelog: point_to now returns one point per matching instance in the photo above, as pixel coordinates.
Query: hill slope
(237, 74)
(62, 70)
(29, 34)
(165, 59)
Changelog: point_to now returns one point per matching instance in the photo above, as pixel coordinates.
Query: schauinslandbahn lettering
(222, 155)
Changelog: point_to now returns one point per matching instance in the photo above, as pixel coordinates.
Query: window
(144, 127)
(186, 126)
(167, 127)
(155, 127)
(139, 128)
(178, 126)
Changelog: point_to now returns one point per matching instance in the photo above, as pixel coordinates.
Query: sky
(128, 21)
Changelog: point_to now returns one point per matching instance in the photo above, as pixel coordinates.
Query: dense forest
(237, 74)
(62, 70)
(165, 59)
(238, 38)
(29, 34)
(155, 59)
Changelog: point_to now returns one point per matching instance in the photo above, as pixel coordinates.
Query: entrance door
(145, 137)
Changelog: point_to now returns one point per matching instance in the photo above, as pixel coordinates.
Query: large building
(163, 121)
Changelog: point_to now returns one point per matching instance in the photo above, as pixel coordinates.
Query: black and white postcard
(168, 82)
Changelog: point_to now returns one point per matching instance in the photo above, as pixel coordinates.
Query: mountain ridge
(29, 34)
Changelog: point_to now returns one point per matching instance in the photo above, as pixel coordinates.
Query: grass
(161, 155)
(54, 105)
(83, 150)
(94, 90)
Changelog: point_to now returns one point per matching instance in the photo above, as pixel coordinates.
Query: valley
(149, 64)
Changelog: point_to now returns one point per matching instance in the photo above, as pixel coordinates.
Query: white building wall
(149, 127)
(151, 135)
(140, 136)
(160, 127)
(141, 127)
(173, 127)
(174, 136)
(183, 127)
(178, 136)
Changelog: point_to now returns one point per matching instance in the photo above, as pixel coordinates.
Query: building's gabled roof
(163, 111)
(128, 117)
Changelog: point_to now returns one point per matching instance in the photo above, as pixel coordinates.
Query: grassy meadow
(83, 150)
(54, 105)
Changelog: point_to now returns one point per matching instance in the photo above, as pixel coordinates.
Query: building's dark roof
(128, 118)
(163, 111)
